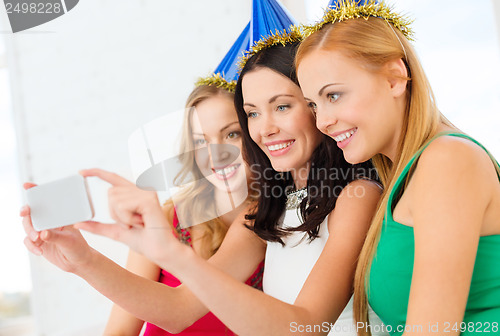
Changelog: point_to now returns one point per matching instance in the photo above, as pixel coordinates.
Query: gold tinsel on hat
(349, 9)
(218, 81)
(279, 37)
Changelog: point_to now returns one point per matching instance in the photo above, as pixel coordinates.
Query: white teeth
(345, 135)
(226, 171)
(279, 146)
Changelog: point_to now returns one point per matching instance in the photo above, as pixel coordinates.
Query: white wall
(456, 42)
(297, 8)
(81, 84)
(496, 8)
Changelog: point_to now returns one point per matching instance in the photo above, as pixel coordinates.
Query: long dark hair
(328, 173)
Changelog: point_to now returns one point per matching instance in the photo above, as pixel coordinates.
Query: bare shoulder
(453, 171)
(452, 151)
(241, 226)
(449, 159)
(250, 208)
(355, 205)
(361, 190)
(242, 219)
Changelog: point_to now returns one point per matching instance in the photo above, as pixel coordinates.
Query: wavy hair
(200, 191)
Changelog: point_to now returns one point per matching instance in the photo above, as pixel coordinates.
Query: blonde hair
(199, 192)
(373, 42)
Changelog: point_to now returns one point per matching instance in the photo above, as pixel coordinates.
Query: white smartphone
(59, 203)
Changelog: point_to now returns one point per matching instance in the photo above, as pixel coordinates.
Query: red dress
(208, 325)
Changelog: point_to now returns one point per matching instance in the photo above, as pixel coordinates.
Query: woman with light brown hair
(430, 263)
(204, 201)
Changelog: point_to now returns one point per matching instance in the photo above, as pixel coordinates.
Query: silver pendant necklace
(294, 198)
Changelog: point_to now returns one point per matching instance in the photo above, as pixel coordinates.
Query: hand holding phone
(59, 203)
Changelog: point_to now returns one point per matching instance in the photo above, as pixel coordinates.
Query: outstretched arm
(247, 311)
(323, 296)
(121, 322)
(172, 309)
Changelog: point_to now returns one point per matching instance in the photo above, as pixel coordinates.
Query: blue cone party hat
(227, 66)
(268, 16)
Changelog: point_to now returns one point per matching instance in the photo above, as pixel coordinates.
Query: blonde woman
(431, 261)
(207, 195)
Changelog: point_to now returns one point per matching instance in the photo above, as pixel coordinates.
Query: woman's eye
(233, 135)
(199, 142)
(333, 97)
(282, 108)
(252, 114)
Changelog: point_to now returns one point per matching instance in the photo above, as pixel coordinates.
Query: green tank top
(391, 271)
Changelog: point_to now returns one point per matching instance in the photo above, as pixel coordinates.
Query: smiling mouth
(345, 135)
(227, 172)
(277, 147)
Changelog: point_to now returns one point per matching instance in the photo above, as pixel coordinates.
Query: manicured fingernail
(33, 235)
(37, 252)
(22, 208)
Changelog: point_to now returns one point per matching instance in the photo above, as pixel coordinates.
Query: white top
(287, 268)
